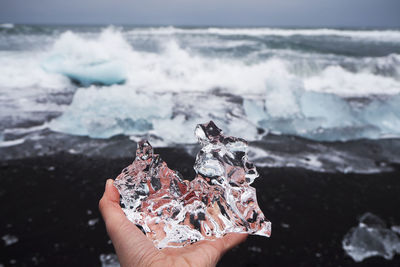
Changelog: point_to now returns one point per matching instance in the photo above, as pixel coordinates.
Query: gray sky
(379, 13)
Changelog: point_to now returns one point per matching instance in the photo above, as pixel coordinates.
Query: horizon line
(199, 25)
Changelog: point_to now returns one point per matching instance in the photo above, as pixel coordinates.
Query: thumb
(129, 242)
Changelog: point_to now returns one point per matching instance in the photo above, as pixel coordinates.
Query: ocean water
(320, 86)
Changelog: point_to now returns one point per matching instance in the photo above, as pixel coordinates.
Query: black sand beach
(50, 205)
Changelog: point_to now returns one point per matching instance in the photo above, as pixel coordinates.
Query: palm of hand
(135, 249)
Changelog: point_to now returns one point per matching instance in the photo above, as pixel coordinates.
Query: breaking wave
(159, 82)
(109, 58)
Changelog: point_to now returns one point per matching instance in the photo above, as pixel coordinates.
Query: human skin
(135, 249)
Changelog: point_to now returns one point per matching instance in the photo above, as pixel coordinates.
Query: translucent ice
(174, 212)
(9, 239)
(89, 61)
(109, 260)
(371, 238)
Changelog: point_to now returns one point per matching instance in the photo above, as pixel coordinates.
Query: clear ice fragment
(174, 212)
(109, 260)
(371, 238)
(9, 239)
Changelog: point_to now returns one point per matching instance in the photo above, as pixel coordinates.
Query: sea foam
(251, 86)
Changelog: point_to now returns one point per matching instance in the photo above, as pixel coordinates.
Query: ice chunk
(101, 72)
(90, 61)
(371, 238)
(109, 260)
(9, 239)
(93, 222)
(126, 112)
(396, 229)
(175, 212)
(255, 249)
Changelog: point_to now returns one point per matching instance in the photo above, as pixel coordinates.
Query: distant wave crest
(376, 35)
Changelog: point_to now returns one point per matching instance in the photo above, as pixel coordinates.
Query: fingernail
(108, 182)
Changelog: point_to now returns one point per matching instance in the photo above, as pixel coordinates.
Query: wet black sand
(47, 202)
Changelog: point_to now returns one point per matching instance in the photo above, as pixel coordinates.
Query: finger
(231, 240)
(222, 244)
(111, 191)
(109, 205)
(212, 250)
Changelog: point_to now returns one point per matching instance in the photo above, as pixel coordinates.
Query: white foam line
(12, 142)
(7, 25)
(377, 35)
(27, 130)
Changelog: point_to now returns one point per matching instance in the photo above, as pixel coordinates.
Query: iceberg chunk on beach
(371, 238)
(103, 72)
(125, 112)
(89, 61)
(174, 212)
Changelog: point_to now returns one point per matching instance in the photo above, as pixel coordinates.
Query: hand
(135, 249)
